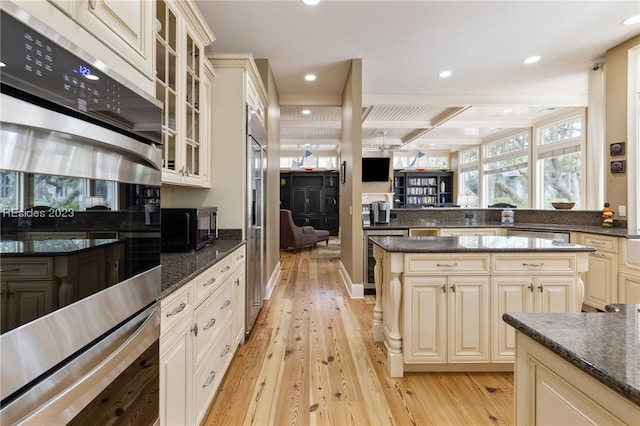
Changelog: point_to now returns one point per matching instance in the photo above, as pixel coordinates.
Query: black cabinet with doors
(312, 198)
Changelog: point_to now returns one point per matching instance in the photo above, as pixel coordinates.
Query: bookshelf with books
(422, 189)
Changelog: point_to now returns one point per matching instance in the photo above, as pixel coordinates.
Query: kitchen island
(440, 300)
(578, 368)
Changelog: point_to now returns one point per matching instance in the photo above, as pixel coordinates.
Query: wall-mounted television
(375, 169)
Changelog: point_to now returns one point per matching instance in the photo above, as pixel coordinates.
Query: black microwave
(188, 229)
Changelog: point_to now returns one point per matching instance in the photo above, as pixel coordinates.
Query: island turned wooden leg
(395, 358)
(378, 327)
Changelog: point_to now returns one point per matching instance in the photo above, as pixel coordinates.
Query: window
(419, 159)
(559, 163)
(468, 173)
(506, 171)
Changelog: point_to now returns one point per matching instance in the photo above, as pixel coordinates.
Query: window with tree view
(506, 171)
(559, 163)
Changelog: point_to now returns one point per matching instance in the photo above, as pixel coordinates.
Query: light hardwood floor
(311, 360)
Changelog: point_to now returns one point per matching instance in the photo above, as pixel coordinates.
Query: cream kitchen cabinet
(526, 294)
(239, 295)
(442, 310)
(183, 80)
(236, 86)
(118, 33)
(176, 358)
(447, 319)
(601, 280)
(629, 288)
(454, 232)
(549, 390)
(197, 341)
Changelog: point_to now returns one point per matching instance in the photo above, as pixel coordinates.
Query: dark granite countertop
(53, 246)
(604, 345)
(394, 225)
(180, 268)
(466, 244)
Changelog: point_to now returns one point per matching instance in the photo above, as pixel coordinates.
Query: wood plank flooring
(311, 361)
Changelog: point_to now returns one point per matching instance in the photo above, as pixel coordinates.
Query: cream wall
(351, 190)
(616, 120)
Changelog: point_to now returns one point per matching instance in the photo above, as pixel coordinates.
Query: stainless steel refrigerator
(255, 225)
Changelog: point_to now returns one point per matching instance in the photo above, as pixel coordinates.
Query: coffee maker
(380, 211)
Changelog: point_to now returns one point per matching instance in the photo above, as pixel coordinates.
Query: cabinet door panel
(629, 288)
(28, 300)
(509, 294)
(124, 26)
(175, 379)
(426, 319)
(599, 280)
(468, 319)
(555, 294)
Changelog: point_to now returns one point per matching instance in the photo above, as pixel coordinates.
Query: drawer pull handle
(9, 269)
(211, 281)
(92, 4)
(240, 257)
(194, 329)
(212, 377)
(225, 304)
(225, 352)
(177, 310)
(210, 324)
(226, 269)
(598, 254)
(537, 265)
(447, 265)
(597, 243)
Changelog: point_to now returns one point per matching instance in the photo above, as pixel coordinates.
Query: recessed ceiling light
(310, 2)
(432, 144)
(310, 77)
(444, 74)
(531, 59)
(306, 111)
(507, 110)
(632, 20)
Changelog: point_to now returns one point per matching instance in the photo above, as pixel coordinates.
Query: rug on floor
(324, 251)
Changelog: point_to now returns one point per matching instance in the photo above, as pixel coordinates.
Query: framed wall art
(616, 149)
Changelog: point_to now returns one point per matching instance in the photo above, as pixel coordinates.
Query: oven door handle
(80, 381)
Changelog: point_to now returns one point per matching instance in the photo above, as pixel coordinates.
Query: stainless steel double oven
(80, 235)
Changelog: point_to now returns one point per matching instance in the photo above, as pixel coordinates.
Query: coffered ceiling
(404, 45)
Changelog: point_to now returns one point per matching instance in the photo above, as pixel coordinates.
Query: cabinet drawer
(601, 242)
(210, 318)
(528, 263)
(442, 263)
(210, 373)
(176, 308)
(36, 268)
(455, 232)
(209, 280)
(239, 257)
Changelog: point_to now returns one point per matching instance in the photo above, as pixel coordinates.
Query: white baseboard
(273, 279)
(356, 291)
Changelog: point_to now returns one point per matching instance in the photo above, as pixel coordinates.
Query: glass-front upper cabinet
(166, 76)
(181, 86)
(192, 91)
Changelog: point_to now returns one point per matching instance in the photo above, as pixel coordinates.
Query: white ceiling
(405, 44)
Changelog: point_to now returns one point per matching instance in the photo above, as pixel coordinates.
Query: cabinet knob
(92, 4)
(531, 287)
(453, 288)
(541, 288)
(194, 329)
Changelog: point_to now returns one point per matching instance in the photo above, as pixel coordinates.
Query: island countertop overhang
(474, 244)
